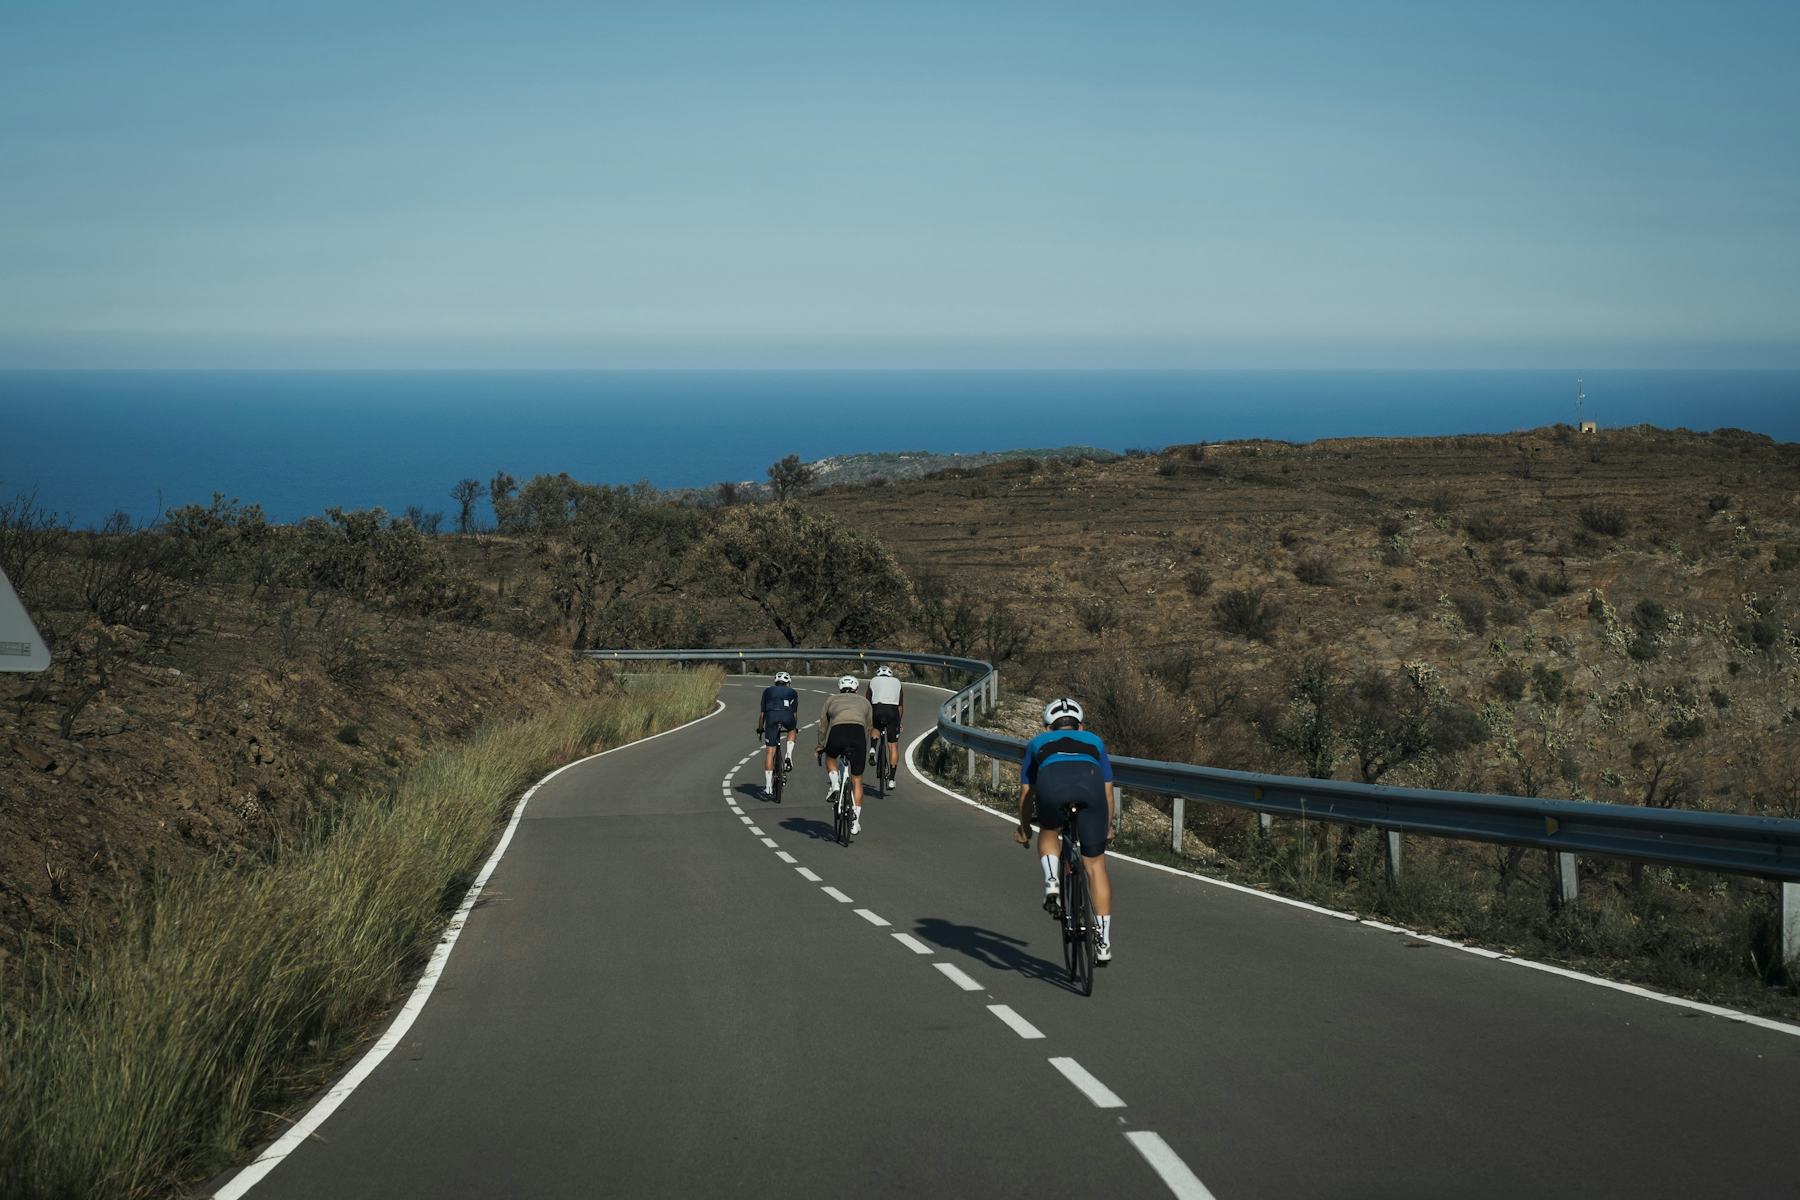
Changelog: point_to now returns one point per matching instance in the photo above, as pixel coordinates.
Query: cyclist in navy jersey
(780, 713)
(1066, 765)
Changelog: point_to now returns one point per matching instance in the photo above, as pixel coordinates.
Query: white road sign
(21, 649)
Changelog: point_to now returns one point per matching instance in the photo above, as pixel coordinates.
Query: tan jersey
(845, 708)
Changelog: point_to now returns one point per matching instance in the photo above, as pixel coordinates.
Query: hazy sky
(921, 184)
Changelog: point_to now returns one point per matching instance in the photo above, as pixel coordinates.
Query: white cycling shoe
(856, 824)
(1105, 954)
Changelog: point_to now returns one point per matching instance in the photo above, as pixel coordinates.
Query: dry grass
(154, 1054)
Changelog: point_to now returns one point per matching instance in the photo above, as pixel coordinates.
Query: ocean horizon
(90, 443)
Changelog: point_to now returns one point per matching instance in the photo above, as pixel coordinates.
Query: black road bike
(844, 811)
(783, 763)
(1074, 910)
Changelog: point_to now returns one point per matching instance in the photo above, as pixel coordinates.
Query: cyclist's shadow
(812, 829)
(992, 948)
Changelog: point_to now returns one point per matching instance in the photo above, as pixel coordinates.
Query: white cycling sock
(1106, 929)
(768, 781)
(1051, 865)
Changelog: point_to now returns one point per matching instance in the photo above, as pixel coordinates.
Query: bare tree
(467, 493)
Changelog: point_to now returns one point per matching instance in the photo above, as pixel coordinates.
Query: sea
(91, 443)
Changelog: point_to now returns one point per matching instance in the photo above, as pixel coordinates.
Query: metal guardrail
(1730, 842)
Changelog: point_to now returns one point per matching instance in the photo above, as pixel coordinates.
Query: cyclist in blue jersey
(780, 713)
(1067, 765)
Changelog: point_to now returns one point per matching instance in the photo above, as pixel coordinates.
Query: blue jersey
(1065, 745)
(781, 706)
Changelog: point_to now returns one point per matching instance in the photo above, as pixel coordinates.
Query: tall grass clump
(155, 1054)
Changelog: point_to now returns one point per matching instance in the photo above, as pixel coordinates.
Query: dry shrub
(1137, 714)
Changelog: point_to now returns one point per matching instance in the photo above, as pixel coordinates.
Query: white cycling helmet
(885, 671)
(848, 683)
(1062, 708)
(783, 677)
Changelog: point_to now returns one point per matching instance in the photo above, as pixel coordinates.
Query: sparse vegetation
(152, 1055)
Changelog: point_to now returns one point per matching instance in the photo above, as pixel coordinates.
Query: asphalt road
(651, 999)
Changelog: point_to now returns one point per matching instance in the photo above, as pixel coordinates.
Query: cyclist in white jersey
(888, 700)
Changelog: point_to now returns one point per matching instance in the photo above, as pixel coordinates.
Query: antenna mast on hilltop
(1580, 397)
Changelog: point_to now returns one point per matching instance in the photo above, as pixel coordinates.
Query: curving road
(671, 987)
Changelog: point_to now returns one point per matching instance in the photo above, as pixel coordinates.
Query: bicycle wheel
(843, 812)
(1081, 942)
(780, 780)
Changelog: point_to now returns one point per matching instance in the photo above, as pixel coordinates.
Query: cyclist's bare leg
(768, 758)
(1049, 842)
(857, 790)
(792, 734)
(1098, 884)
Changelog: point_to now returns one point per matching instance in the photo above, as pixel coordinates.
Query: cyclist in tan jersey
(846, 725)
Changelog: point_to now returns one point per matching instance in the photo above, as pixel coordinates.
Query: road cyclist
(1066, 767)
(888, 700)
(846, 726)
(777, 722)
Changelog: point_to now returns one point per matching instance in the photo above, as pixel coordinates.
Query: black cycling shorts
(848, 739)
(774, 731)
(1064, 784)
(887, 721)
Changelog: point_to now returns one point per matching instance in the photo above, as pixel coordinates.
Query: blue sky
(957, 184)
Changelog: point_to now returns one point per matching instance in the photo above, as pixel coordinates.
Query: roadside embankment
(156, 1051)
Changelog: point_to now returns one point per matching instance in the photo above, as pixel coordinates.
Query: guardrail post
(1264, 823)
(994, 767)
(1391, 837)
(1568, 886)
(1177, 823)
(1790, 925)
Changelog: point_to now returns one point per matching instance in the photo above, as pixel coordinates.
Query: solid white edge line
(837, 895)
(302, 1129)
(809, 876)
(1166, 1163)
(958, 976)
(1083, 1079)
(785, 857)
(1630, 989)
(1015, 1022)
(912, 943)
(873, 918)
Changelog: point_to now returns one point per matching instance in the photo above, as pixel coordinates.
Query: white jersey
(884, 689)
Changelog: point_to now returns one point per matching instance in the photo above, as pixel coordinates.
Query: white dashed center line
(958, 976)
(912, 943)
(768, 841)
(836, 895)
(748, 820)
(785, 857)
(1014, 1021)
(737, 810)
(872, 918)
(1165, 1162)
(756, 831)
(807, 875)
(1082, 1078)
